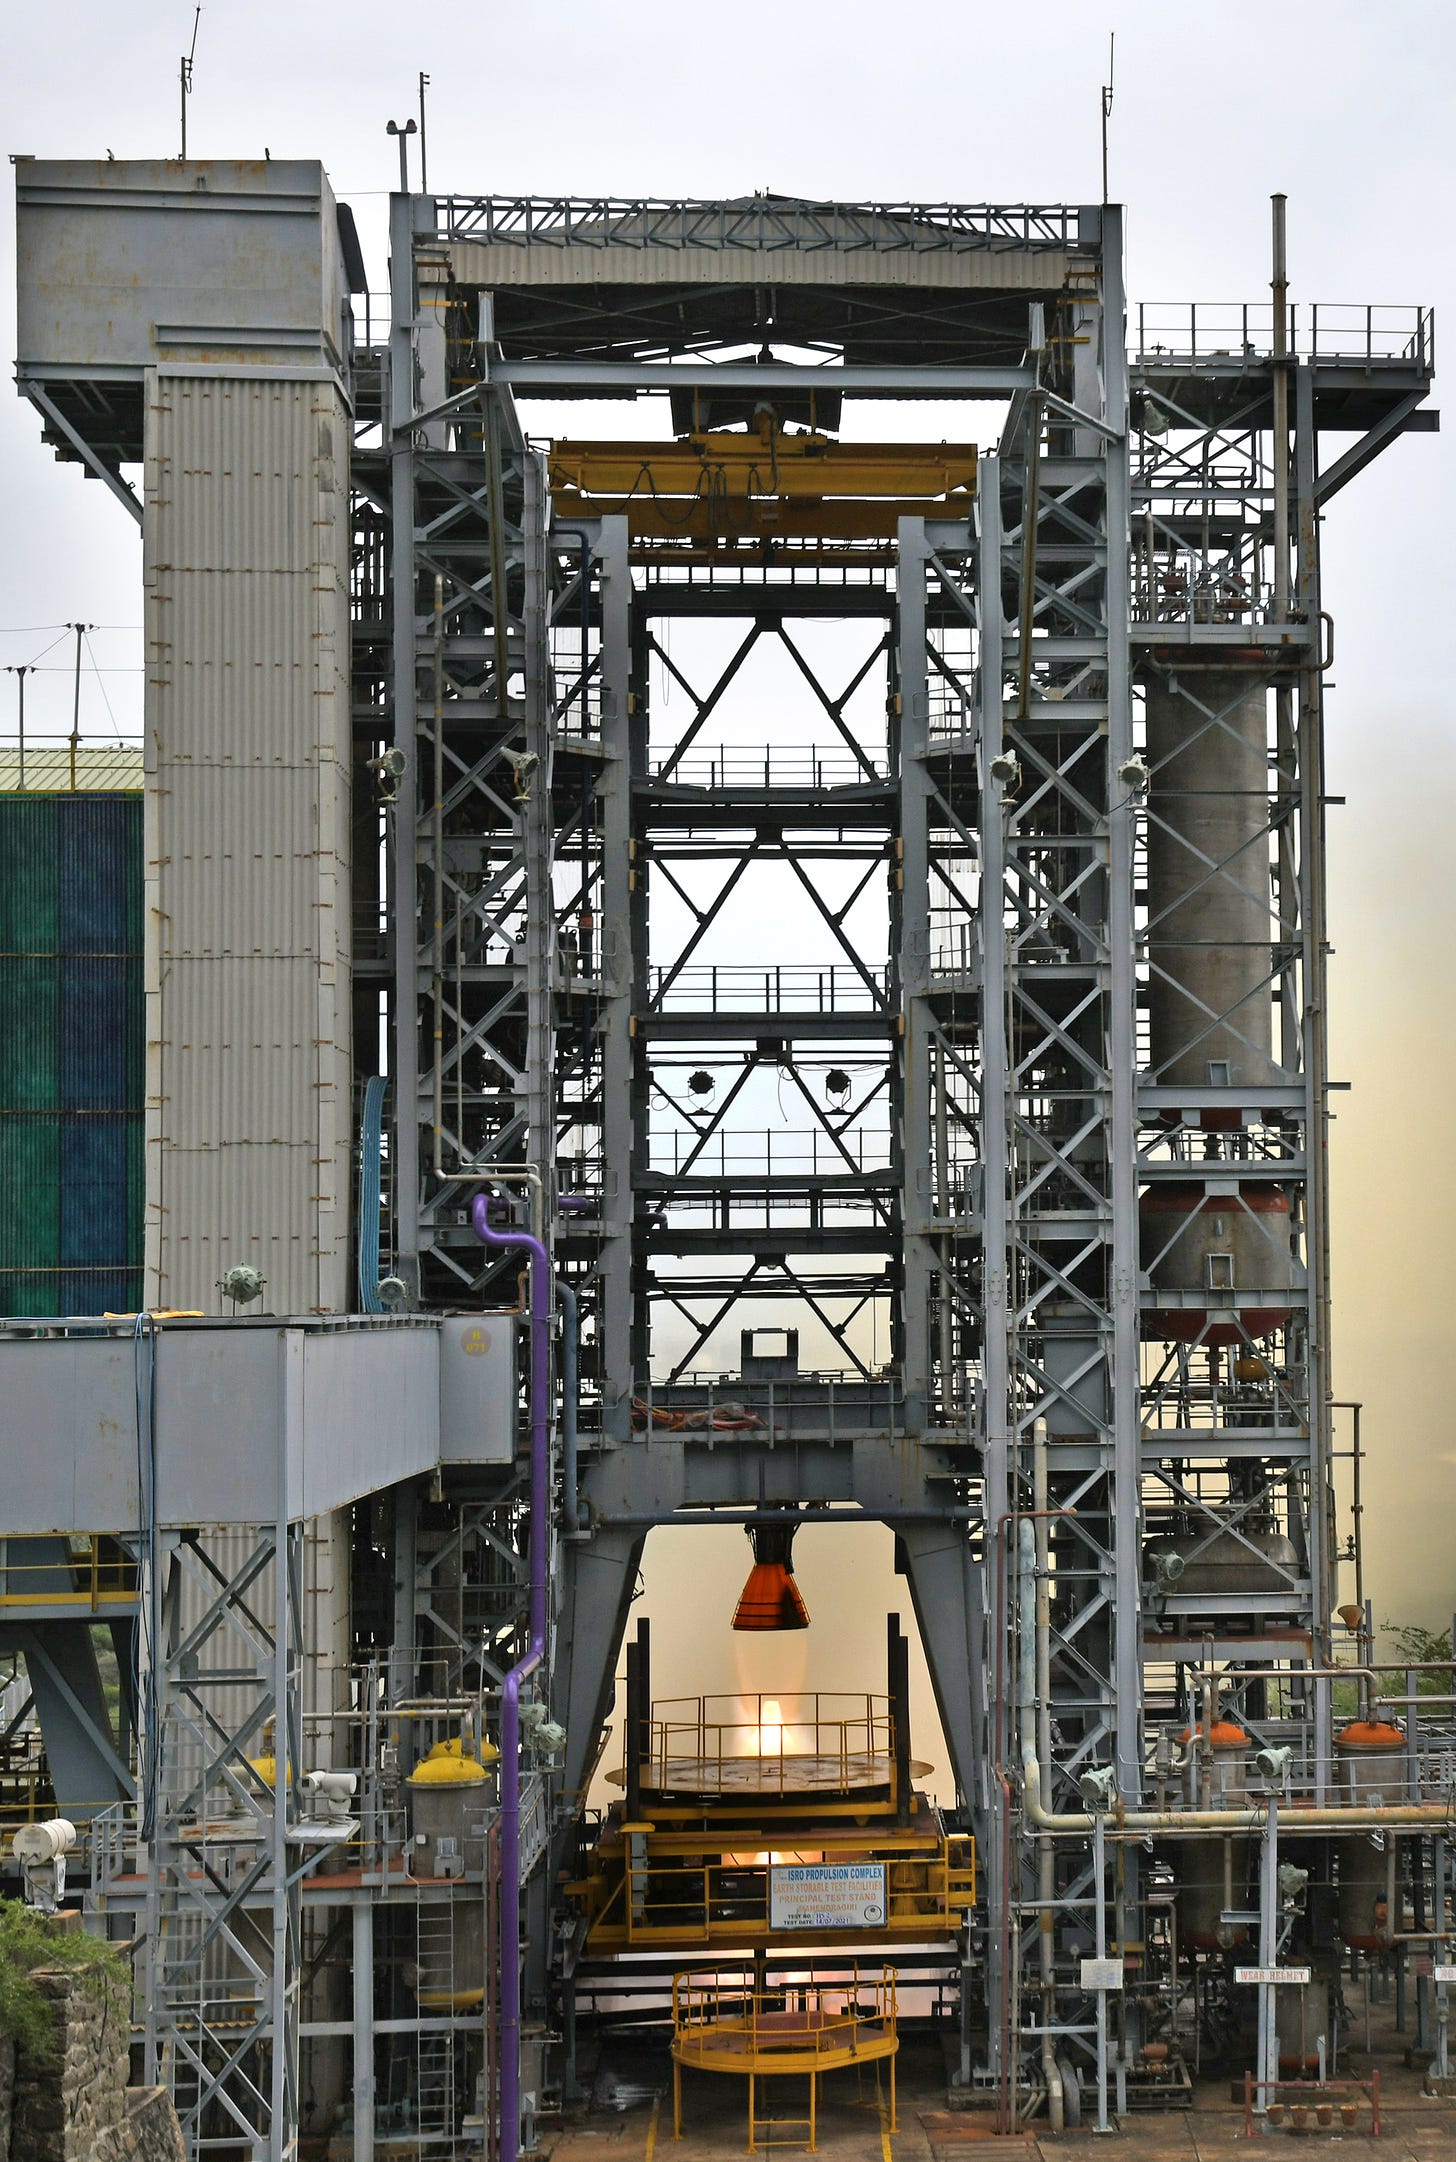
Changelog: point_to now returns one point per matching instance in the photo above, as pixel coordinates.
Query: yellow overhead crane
(728, 487)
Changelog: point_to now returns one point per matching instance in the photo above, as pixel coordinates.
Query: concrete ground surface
(630, 2117)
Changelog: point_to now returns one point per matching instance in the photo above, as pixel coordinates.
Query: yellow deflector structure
(729, 486)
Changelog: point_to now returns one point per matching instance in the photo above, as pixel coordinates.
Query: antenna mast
(1107, 104)
(185, 76)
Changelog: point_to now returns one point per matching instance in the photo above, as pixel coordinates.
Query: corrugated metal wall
(248, 1087)
(71, 1053)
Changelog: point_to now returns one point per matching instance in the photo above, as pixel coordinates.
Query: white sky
(1348, 108)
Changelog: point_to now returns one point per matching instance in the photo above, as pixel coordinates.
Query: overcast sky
(1349, 109)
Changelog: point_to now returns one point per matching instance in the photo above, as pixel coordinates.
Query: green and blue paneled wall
(72, 1053)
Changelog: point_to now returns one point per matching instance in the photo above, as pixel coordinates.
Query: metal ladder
(435, 2047)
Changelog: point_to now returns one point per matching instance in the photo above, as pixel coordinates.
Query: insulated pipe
(1186, 1823)
(510, 1760)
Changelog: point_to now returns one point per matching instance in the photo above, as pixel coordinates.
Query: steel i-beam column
(1122, 1034)
(1310, 741)
(538, 821)
(615, 1010)
(910, 918)
(995, 1225)
(404, 1040)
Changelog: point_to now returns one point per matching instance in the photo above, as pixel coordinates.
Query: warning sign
(827, 1895)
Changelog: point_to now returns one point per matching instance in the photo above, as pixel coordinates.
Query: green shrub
(1409, 1642)
(29, 1940)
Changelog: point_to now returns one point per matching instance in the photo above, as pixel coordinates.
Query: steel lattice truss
(1048, 1092)
(222, 1966)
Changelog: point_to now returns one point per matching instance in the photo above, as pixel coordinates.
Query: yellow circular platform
(813, 2040)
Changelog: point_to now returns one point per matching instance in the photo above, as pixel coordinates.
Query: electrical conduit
(538, 1503)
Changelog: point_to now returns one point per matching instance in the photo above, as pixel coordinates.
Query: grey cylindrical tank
(1371, 1760)
(448, 1802)
(1301, 2016)
(1210, 934)
(1370, 1754)
(1212, 1251)
(1248, 1562)
(1205, 1892)
(1363, 1910)
(1217, 1773)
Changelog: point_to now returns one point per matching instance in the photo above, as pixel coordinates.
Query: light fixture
(389, 769)
(771, 1599)
(701, 1082)
(1096, 1788)
(241, 1284)
(1273, 1763)
(836, 1083)
(1292, 1883)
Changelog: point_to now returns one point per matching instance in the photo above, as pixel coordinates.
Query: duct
(526, 1665)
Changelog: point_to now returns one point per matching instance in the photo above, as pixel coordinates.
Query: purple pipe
(535, 1652)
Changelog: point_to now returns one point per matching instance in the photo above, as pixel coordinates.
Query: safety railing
(1300, 2099)
(767, 1153)
(576, 710)
(828, 2014)
(717, 1898)
(792, 987)
(713, 1739)
(951, 707)
(1320, 330)
(91, 1571)
(826, 1406)
(772, 224)
(773, 765)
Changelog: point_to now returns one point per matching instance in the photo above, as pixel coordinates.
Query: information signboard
(827, 1895)
(1292, 1976)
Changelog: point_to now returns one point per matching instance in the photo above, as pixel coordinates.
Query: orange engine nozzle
(771, 1599)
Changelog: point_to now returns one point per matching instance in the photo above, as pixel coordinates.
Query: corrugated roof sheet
(99, 768)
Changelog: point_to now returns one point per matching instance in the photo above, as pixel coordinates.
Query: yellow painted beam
(729, 519)
(805, 468)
